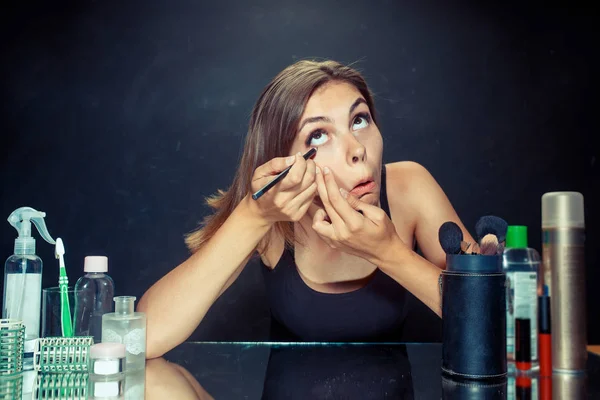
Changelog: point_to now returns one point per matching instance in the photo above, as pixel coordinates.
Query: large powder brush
(491, 234)
(450, 236)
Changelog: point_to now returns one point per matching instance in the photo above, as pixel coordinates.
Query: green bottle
(521, 265)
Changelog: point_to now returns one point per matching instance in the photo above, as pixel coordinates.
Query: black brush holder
(473, 318)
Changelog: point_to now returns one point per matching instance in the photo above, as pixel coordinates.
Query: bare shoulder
(408, 182)
(414, 187)
(405, 169)
(403, 180)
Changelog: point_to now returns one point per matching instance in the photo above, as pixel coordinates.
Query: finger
(274, 166)
(321, 216)
(303, 209)
(303, 197)
(369, 211)
(324, 195)
(307, 179)
(309, 175)
(323, 228)
(339, 203)
(294, 177)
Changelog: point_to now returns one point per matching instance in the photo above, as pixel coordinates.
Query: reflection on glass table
(348, 371)
(310, 371)
(31, 385)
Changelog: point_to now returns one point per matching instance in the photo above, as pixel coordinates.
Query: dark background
(119, 117)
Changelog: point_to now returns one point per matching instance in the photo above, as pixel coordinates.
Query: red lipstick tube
(523, 343)
(544, 334)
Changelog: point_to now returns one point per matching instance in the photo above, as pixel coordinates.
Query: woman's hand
(351, 225)
(289, 199)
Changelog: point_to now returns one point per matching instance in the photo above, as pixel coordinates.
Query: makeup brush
(468, 247)
(491, 233)
(489, 245)
(450, 236)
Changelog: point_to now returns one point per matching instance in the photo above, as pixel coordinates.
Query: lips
(363, 188)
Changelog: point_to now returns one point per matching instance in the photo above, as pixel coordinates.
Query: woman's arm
(416, 274)
(176, 304)
(428, 204)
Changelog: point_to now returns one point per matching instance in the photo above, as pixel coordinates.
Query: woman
(334, 237)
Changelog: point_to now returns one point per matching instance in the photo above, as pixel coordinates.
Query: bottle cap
(562, 210)
(95, 264)
(516, 237)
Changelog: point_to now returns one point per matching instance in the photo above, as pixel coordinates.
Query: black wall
(118, 117)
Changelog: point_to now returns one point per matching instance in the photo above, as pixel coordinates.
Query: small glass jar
(107, 359)
(107, 371)
(106, 387)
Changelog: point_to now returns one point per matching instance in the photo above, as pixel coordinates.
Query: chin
(370, 198)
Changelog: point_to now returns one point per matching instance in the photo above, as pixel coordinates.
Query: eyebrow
(312, 120)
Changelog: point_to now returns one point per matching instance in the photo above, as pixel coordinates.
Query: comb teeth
(12, 341)
(69, 385)
(60, 354)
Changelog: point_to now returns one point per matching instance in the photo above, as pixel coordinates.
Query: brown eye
(362, 120)
(316, 138)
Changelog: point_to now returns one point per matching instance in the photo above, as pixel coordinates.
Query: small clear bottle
(522, 266)
(127, 327)
(94, 294)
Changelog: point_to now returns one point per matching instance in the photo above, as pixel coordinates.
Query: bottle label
(22, 301)
(134, 341)
(521, 303)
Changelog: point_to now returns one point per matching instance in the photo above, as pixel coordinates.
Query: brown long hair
(271, 132)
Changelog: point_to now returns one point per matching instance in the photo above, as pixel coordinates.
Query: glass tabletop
(345, 371)
(250, 370)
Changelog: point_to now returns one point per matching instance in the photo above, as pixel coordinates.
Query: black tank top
(373, 313)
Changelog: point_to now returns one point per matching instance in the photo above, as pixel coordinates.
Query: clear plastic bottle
(23, 277)
(522, 267)
(94, 294)
(127, 327)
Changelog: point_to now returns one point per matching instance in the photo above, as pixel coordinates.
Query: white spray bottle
(23, 277)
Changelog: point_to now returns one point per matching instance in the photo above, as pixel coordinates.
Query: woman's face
(337, 121)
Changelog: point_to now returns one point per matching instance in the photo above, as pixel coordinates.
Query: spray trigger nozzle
(21, 220)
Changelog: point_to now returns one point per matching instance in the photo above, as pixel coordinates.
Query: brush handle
(65, 307)
(281, 175)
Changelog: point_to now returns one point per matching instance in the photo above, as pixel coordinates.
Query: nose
(356, 151)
